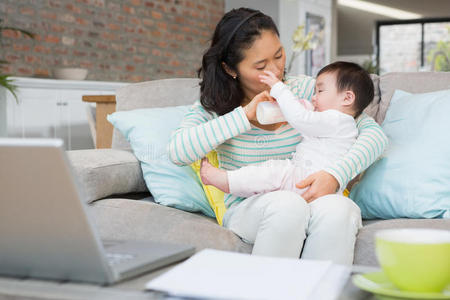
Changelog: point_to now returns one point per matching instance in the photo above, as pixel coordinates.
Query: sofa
(122, 207)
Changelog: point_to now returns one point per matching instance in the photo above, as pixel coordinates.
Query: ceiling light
(379, 9)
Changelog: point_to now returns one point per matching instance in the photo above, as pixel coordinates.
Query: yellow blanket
(214, 195)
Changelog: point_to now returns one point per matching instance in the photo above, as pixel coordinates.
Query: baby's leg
(214, 176)
(271, 175)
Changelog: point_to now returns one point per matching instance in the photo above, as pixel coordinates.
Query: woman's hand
(320, 184)
(250, 108)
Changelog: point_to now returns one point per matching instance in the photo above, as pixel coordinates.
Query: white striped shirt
(238, 143)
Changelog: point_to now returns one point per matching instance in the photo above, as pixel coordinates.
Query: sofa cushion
(148, 130)
(372, 108)
(412, 82)
(104, 172)
(411, 180)
(156, 93)
(121, 219)
(365, 242)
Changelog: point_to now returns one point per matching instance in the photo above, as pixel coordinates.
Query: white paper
(227, 275)
(332, 283)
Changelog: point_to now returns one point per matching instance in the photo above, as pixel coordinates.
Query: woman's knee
(338, 208)
(282, 212)
(285, 204)
(336, 203)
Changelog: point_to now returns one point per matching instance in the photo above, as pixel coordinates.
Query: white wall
(3, 115)
(289, 20)
(357, 58)
(321, 8)
(356, 29)
(266, 6)
(287, 15)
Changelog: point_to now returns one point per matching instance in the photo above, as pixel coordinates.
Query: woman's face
(266, 53)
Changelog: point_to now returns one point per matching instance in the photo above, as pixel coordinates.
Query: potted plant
(302, 43)
(5, 81)
(370, 66)
(439, 56)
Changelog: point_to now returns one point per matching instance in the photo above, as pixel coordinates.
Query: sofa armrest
(104, 172)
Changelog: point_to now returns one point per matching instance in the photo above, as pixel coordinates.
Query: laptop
(45, 228)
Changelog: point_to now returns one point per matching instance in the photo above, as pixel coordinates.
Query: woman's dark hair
(235, 32)
(350, 76)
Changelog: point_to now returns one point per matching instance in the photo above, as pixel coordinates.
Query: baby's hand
(270, 79)
(307, 104)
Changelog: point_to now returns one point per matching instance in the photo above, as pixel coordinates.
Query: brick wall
(130, 40)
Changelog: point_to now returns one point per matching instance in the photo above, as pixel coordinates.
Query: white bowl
(70, 73)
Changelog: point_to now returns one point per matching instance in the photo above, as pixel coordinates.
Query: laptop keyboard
(118, 258)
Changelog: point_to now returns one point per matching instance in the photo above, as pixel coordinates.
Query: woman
(317, 225)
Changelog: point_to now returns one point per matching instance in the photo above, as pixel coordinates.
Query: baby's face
(326, 95)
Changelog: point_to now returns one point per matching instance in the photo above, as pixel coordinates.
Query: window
(413, 45)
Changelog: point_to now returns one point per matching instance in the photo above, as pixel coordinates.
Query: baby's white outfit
(327, 136)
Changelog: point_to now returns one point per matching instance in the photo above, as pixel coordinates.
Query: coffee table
(133, 289)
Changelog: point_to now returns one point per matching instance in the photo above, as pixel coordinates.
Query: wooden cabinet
(49, 108)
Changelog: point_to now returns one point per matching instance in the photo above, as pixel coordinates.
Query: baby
(343, 90)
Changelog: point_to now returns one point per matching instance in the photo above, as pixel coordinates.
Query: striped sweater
(238, 143)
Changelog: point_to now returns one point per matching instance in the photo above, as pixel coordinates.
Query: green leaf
(5, 81)
(7, 84)
(25, 32)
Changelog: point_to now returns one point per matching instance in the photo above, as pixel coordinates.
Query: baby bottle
(269, 113)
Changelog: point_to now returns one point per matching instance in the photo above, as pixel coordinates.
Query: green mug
(416, 260)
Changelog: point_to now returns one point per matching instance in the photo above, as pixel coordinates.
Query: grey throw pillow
(104, 172)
